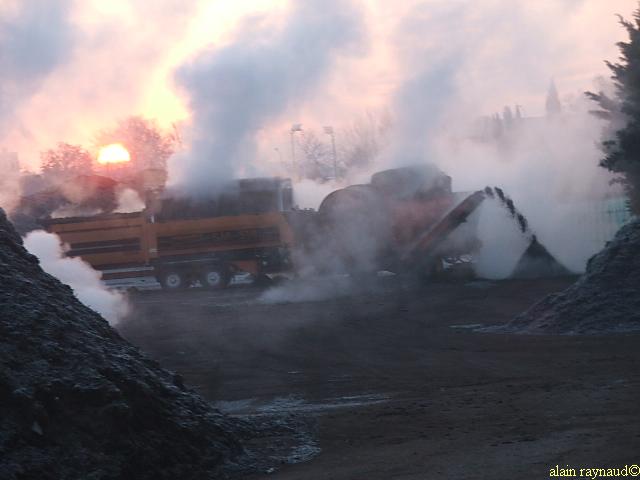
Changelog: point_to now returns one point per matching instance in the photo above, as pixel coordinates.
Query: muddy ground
(395, 383)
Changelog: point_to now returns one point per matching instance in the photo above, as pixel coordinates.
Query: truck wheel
(214, 278)
(172, 280)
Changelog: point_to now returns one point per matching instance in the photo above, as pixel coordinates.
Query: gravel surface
(394, 382)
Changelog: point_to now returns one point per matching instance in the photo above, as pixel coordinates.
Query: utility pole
(329, 131)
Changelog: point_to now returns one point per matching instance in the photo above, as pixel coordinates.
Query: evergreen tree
(622, 150)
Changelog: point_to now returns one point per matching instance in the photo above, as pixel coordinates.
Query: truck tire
(173, 280)
(214, 278)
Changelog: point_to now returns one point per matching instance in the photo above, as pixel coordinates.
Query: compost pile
(606, 299)
(78, 401)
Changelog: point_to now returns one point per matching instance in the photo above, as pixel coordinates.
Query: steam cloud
(36, 36)
(309, 194)
(314, 289)
(550, 169)
(236, 90)
(548, 165)
(446, 64)
(84, 280)
(129, 201)
(450, 73)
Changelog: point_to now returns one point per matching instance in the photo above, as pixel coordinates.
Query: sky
(70, 68)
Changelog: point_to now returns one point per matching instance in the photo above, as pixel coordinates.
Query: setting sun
(114, 153)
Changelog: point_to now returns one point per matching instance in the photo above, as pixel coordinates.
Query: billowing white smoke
(548, 165)
(84, 280)
(502, 243)
(35, 37)
(237, 90)
(129, 201)
(309, 194)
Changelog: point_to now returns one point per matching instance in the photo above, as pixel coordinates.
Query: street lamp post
(329, 131)
(296, 127)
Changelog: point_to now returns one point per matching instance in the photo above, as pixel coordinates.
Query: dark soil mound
(606, 299)
(537, 262)
(78, 401)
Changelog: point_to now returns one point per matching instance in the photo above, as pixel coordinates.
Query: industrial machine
(409, 220)
(405, 219)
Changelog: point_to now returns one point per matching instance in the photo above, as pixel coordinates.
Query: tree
(362, 142)
(148, 145)
(622, 110)
(317, 162)
(65, 161)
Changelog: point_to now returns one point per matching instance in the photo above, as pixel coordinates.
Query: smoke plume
(84, 280)
(236, 90)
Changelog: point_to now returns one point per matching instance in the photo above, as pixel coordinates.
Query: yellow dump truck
(183, 240)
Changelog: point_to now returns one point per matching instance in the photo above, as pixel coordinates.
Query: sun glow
(114, 153)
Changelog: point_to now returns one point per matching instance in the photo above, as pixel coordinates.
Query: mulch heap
(605, 299)
(78, 401)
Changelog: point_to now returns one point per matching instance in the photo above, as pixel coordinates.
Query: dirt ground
(394, 384)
